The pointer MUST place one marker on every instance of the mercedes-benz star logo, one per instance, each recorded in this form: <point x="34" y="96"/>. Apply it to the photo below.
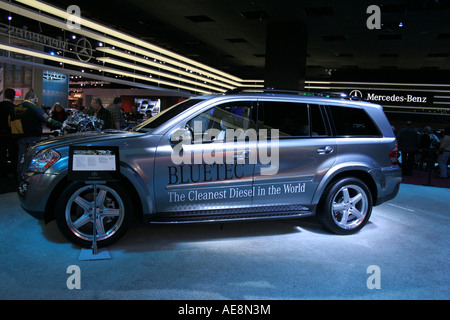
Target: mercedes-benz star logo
<point x="83" y="50"/>
<point x="356" y="93"/>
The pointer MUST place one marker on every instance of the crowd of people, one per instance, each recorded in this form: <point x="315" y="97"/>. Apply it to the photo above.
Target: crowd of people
<point x="21" y="124"/>
<point x="422" y="148"/>
<point x="118" y="117"/>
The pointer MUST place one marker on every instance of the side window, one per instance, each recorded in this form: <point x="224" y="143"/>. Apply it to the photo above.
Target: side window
<point x="352" y="122"/>
<point x="290" y="118"/>
<point x="317" y="123"/>
<point x="215" y="123"/>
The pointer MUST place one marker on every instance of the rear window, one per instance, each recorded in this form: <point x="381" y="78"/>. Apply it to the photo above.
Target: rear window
<point x="291" y="119"/>
<point x="351" y="122"/>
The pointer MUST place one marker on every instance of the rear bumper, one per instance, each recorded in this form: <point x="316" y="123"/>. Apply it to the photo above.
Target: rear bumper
<point x="390" y="184"/>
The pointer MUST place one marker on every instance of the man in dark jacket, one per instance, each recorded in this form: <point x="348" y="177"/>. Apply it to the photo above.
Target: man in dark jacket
<point x="26" y="122"/>
<point x="100" y="112"/>
<point x="117" y="119"/>
<point x="7" y="143"/>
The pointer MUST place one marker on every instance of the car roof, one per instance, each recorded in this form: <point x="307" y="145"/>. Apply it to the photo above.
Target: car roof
<point x="311" y="97"/>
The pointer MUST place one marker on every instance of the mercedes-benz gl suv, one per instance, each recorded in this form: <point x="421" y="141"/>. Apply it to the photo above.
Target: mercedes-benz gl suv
<point x="227" y="157"/>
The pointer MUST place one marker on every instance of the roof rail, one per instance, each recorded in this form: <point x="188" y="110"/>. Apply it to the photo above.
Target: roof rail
<point x="297" y="92"/>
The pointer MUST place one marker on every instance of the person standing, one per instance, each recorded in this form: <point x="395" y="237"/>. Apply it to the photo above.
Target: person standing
<point x="134" y="116"/>
<point x="117" y="119"/>
<point x="58" y="113"/>
<point x="408" y="143"/>
<point x="26" y="123"/>
<point x="8" y="147"/>
<point x="98" y="111"/>
<point x="444" y="154"/>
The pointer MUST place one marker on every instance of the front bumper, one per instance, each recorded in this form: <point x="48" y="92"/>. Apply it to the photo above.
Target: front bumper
<point x="35" y="190"/>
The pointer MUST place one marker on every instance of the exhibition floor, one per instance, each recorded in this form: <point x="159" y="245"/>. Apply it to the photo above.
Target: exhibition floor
<point x="406" y="238"/>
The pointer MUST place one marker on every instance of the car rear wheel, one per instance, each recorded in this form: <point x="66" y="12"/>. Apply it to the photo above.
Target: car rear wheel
<point x="346" y="206"/>
<point x="75" y="213"/>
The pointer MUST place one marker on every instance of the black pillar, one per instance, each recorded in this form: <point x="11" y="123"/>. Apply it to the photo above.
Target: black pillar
<point x="286" y="55"/>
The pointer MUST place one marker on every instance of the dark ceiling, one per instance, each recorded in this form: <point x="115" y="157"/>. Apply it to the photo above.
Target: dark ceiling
<point x="230" y="35"/>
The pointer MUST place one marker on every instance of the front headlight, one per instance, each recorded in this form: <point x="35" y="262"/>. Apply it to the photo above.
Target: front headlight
<point x="44" y="160"/>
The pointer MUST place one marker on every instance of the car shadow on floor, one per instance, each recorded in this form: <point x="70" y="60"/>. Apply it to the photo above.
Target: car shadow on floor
<point x="156" y="237"/>
<point x="142" y="237"/>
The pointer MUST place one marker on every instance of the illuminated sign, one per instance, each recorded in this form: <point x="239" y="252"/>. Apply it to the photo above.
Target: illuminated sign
<point x="394" y="98"/>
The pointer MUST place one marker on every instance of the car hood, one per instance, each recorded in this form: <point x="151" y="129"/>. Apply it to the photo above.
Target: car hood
<point x="61" y="144"/>
<point x="84" y="138"/>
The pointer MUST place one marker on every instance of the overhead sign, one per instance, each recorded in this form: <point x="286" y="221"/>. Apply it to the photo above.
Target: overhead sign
<point x="395" y="98"/>
<point x="24" y="34"/>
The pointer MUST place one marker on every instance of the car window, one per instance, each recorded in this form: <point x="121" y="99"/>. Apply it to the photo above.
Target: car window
<point x="317" y="121"/>
<point x="215" y="123"/>
<point x="352" y="122"/>
<point x="290" y="118"/>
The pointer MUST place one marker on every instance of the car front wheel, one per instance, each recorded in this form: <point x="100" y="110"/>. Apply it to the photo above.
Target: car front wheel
<point x="346" y="206"/>
<point x="75" y="214"/>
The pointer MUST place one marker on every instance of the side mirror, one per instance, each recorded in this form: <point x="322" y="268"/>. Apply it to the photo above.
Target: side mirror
<point x="182" y="134"/>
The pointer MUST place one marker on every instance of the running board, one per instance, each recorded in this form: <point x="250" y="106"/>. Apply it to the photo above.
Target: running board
<point x="225" y="215"/>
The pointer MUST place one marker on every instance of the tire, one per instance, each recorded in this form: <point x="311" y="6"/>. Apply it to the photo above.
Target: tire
<point x="74" y="213"/>
<point x="346" y="206"/>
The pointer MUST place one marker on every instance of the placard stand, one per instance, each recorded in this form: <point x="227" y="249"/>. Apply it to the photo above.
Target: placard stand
<point x="94" y="165"/>
<point x="95" y="253"/>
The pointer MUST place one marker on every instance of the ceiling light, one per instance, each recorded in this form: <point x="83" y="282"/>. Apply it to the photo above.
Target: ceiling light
<point x="155" y="64"/>
<point x="123" y="36"/>
<point x="155" y="72"/>
<point x="232" y="80"/>
<point x="161" y="54"/>
<point x="68" y="61"/>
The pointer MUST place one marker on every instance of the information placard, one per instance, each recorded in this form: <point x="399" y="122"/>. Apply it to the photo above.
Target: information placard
<point x="94" y="163"/>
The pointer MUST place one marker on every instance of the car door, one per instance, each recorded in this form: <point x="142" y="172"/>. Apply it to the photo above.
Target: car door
<point x="306" y="151"/>
<point x="213" y="170"/>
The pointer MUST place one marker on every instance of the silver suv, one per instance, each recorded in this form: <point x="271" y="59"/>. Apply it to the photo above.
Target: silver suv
<point x="235" y="156"/>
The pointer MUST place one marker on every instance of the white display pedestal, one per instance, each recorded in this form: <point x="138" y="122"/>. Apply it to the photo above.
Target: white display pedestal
<point x="88" y="255"/>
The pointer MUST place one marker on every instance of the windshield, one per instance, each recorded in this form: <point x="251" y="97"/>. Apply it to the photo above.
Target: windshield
<point x="165" y="115"/>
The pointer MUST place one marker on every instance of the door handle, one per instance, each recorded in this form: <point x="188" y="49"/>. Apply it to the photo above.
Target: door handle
<point x="241" y="155"/>
<point x="324" y="150"/>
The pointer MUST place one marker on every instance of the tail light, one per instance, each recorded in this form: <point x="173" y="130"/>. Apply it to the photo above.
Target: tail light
<point x="394" y="154"/>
